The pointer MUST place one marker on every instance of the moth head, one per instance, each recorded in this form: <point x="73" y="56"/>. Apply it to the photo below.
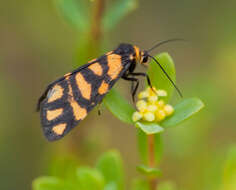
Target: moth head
<point x="144" y="57"/>
<point x="140" y="56"/>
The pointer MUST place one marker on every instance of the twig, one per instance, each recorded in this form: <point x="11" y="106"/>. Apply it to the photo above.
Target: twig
<point x="96" y="28"/>
<point x="151" y="160"/>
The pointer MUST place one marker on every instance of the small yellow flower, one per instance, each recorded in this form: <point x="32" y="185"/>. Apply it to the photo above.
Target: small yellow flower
<point x="160" y="104"/>
<point x="143" y="94"/>
<point x="141" y="105"/>
<point x="152" y="91"/>
<point x="161" y="93"/>
<point x="136" y="116"/>
<point x="168" y="109"/>
<point x="149" y="116"/>
<point x="160" y="115"/>
<point x="152" y="108"/>
<point x="153" y="98"/>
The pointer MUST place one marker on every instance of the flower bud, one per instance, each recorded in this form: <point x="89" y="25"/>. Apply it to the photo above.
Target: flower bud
<point x="161" y="93"/>
<point x="168" y="109"/>
<point x="136" y="116"/>
<point x="160" y="115"/>
<point x="160" y="104"/>
<point x="149" y="116"/>
<point x="152" y="108"/>
<point x="141" y="105"/>
<point x="152" y="98"/>
<point x="152" y="91"/>
<point x="143" y="94"/>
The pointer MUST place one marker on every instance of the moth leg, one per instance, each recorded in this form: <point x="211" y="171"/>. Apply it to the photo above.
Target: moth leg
<point x="144" y="75"/>
<point x="99" y="110"/>
<point x="147" y="78"/>
<point x="133" y="88"/>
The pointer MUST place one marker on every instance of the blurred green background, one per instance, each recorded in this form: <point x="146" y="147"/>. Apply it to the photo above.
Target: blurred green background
<point x="37" y="46"/>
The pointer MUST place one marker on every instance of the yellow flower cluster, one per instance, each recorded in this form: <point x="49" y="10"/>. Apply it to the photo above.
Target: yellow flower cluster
<point x="151" y="107"/>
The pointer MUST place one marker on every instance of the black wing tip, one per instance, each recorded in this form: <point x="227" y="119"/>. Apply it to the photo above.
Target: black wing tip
<point x="42" y="97"/>
<point x="50" y="136"/>
<point x="53" y="138"/>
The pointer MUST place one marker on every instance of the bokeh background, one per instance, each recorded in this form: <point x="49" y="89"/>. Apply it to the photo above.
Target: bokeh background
<point x="38" y="46"/>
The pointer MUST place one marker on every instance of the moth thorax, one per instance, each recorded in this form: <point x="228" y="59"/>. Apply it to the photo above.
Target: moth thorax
<point x="137" y="54"/>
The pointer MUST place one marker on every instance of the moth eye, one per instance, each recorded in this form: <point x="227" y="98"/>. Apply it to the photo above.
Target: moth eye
<point x="145" y="59"/>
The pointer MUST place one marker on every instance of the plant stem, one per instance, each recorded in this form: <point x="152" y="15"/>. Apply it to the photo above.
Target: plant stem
<point x="151" y="160"/>
<point x="96" y="27"/>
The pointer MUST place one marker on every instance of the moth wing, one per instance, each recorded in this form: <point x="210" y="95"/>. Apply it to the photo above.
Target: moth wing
<point x="69" y="100"/>
<point x="56" y="113"/>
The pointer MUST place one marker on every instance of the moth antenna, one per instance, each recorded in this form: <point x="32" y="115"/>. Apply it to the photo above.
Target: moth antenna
<point x="172" y="82"/>
<point x="164" y="42"/>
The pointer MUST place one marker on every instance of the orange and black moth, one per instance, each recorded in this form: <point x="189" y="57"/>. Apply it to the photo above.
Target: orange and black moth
<point x="69" y="99"/>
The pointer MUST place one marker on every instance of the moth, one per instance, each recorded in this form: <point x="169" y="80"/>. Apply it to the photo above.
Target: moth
<point x="68" y="100"/>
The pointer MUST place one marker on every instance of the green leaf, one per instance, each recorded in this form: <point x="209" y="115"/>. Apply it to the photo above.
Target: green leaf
<point x="119" y="106"/>
<point x="111" y="166"/>
<point x="229" y="176"/>
<point x="149" y="127"/>
<point x="183" y="111"/>
<point x="48" y="183"/>
<point x="158" y="78"/>
<point x="117" y="11"/>
<point x="75" y="12"/>
<point x="146" y="170"/>
<point x="143" y="146"/>
<point x="63" y="167"/>
<point x="89" y="178"/>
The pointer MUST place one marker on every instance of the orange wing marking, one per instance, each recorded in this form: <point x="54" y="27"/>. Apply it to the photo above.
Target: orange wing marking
<point x="114" y="65"/>
<point x="103" y="88"/>
<point x="92" y="60"/>
<point x="67" y="74"/>
<point x="55" y="93"/>
<point x="109" y="53"/>
<point x="59" y="129"/>
<point x="52" y="114"/>
<point x="83" y="85"/>
<point x="96" y="68"/>
<point x="79" y="112"/>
